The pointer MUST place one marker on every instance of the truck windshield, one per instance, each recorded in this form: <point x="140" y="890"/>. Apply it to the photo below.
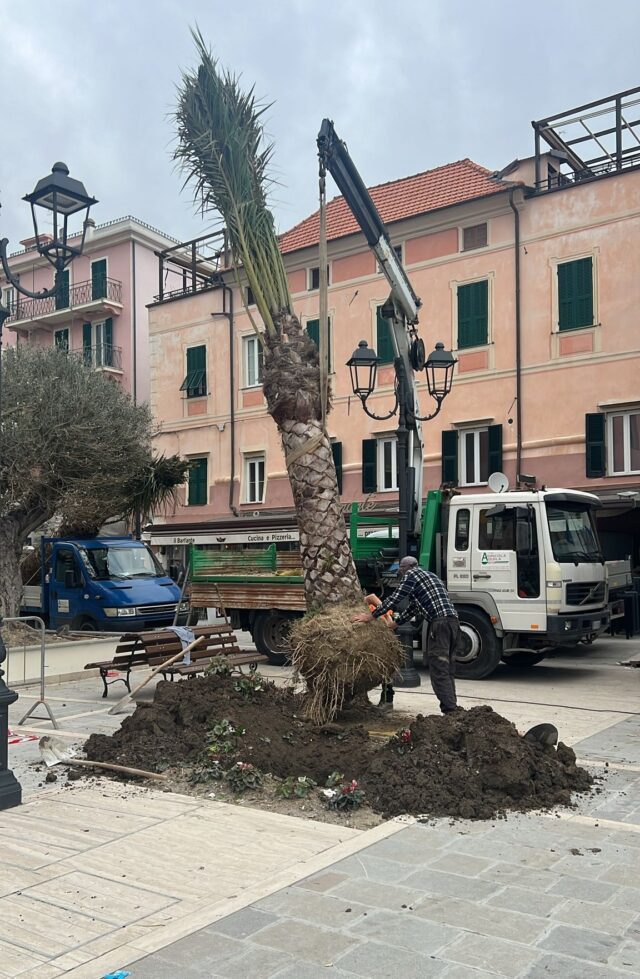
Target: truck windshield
<point x="120" y="561"/>
<point x="572" y="532"/>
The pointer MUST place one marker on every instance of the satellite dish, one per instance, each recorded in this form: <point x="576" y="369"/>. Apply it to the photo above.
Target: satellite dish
<point x="498" y="483"/>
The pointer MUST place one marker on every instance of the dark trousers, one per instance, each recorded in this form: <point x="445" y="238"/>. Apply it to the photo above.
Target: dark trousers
<point x="441" y="653"/>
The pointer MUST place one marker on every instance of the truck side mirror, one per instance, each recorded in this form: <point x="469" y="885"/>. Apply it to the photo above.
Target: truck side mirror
<point x="174" y="572"/>
<point x="70" y="580"/>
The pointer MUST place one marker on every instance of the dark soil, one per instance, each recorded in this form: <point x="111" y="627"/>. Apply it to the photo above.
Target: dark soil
<point x="472" y="764"/>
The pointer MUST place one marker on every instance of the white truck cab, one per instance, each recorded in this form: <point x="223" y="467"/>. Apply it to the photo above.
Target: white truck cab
<point x="526" y="573"/>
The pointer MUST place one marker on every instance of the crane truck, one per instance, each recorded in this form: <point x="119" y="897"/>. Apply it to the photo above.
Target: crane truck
<point x="523" y="568"/>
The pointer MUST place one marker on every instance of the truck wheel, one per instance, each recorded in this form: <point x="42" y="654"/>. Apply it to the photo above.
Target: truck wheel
<point x="523" y="659"/>
<point x="270" y="634"/>
<point x="479" y="649"/>
<point x="81" y="624"/>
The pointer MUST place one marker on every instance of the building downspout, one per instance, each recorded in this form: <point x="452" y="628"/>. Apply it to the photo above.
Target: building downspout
<point x="516" y="228"/>
<point x="134" y="359"/>
<point x="229" y="314"/>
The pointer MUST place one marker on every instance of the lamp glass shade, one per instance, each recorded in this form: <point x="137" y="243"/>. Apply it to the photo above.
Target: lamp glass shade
<point x="363" y="366"/>
<point x="439" y="370"/>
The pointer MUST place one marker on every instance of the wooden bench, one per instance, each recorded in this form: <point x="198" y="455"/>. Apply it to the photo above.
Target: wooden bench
<point x="153" y="648"/>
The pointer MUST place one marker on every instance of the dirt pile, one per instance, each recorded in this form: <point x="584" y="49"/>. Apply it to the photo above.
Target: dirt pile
<point x="471" y="764"/>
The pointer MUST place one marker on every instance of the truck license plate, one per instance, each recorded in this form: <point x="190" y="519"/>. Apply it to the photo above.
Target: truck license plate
<point x="596" y="624"/>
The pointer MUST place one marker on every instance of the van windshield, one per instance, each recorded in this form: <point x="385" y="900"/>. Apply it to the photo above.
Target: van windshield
<point x="572" y="532"/>
<point x="120" y="561"/>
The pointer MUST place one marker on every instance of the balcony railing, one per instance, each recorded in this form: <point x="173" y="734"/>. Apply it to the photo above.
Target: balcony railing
<point x="100" y="356"/>
<point x="79" y="294"/>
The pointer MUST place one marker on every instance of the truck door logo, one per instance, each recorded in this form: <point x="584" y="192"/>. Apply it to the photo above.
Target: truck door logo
<point x="485" y="560"/>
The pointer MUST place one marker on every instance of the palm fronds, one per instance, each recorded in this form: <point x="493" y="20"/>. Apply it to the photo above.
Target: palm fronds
<point x="223" y="153"/>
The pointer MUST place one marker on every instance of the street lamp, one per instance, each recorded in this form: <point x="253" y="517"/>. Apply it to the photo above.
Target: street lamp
<point x="439" y="365"/>
<point x="63" y="196"/>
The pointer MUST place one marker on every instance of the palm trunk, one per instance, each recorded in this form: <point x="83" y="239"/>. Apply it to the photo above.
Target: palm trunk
<point x="292" y="390"/>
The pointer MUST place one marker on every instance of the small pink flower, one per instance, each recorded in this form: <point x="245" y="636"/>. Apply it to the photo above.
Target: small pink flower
<point x="406" y="736"/>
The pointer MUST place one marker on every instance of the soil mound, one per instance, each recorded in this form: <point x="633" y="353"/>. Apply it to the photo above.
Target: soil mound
<point x="471" y="764"/>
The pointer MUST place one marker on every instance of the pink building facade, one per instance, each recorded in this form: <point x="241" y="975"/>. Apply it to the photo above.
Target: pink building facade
<point x="529" y="276"/>
<point x="100" y="310"/>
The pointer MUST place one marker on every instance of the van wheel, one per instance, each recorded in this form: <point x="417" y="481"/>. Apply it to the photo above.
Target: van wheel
<point x="80" y="624"/>
<point x="271" y="634"/>
<point x="479" y="649"/>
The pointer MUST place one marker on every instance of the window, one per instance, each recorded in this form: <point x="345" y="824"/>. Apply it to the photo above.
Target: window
<point x="253" y="361"/>
<point x="61" y="339"/>
<point x="9" y="298"/>
<point x="496" y="532"/>
<point x="471" y="455"/>
<point x="384" y="340"/>
<point x="313" y="277"/>
<point x="575" y="294"/>
<point x="195" y="382"/>
<point x="250" y="299"/>
<point x="336" y="452"/>
<point x="462" y="530"/>
<point x="62" y="290"/>
<point x="254" y="478"/>
<point x="387" y="464"/>
<point x="379" y="464"/>
<point x="623" y="438"/>
<point x="475" y="236"/>
<point x="473" y="314"/>
<point x="198" y="488"/>
<point x="313" y="329"/>
<point x="65" y="563"/>
<point x="474" y="457"/>
<point x="99" y="279"/>
<point x="97" y="344"/>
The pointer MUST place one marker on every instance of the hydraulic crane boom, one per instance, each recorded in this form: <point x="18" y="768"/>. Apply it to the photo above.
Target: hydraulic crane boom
<point x="334" y="157"/>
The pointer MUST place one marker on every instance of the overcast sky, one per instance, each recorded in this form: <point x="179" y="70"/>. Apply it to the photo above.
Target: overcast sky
<point x="410" y="84"/>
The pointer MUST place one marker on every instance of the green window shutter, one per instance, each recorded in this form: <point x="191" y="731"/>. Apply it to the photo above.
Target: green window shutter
<point x="384" y="340"/>
<point x="195" y="383"/>
<point x="198" y="482"/>
<point x="575" y="294"/>
<point x="313" y="329"/>
<point x="595" y="456"/>
<point x="62" y="290"/>
<point x="86" y="342"/>
<point x="107" y="333"/>
<point x="369" y="465"/>
<point x="450" y="457"/>
<point x="473" y="314"/>
<point x="336" y="452"/>
<point x="99" y="279"/>
<point x="495" y="448"/>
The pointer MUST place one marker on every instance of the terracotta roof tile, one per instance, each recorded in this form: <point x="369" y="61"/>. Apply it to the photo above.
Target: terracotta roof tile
<point x="398" y="199"/>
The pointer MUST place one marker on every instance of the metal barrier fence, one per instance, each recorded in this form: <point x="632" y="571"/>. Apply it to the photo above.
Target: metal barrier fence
<point x="42" y="698"/>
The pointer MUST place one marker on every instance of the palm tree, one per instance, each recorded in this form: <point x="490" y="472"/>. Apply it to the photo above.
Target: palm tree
<point x="223" y="152"/>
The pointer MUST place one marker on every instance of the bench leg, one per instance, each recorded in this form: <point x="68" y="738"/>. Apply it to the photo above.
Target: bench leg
<point x="103" y="676"/>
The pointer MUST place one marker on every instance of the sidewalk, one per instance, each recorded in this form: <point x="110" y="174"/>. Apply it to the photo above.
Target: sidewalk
<point x="554" y="895"/>
<point x="101" y="876"/>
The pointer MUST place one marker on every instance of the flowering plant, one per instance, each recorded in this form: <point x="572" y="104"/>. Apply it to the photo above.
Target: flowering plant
<point x="403" y="741"/>
<point x="244" y="776"/>
<point x="347" y="797"/>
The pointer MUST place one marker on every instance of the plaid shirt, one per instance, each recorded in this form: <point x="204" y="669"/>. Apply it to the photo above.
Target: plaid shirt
<point x="425" y="595"/>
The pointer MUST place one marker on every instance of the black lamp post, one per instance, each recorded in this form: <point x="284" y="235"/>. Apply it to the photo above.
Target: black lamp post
<point x="439" y="365"/>
<point x="63" y="196"/>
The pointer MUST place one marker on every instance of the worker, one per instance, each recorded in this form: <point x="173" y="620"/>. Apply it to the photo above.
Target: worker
<point x="426" y="596"/>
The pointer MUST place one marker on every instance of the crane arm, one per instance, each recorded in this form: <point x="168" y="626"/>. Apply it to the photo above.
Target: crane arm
<point x="334" y="156"/>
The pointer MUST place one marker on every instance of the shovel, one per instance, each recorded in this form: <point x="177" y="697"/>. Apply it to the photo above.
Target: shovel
<point x="544" y="734"/>
<point x="119" y="707"/>
<point x="56" y="753"/>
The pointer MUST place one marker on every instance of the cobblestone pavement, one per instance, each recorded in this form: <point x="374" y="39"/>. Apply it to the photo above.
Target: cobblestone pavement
<point x="529" y="896"/>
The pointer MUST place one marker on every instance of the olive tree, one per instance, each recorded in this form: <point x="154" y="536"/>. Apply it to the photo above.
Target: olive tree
<point x="73" y="445"/>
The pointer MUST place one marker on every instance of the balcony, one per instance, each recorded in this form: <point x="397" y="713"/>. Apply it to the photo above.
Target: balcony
<point x="103" y="356"/>
<point x="86" y="298"/>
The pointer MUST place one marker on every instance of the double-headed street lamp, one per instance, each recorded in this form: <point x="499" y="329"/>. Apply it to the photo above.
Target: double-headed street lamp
<point x="62" y="196"/>
<point x="438" y="366"/>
